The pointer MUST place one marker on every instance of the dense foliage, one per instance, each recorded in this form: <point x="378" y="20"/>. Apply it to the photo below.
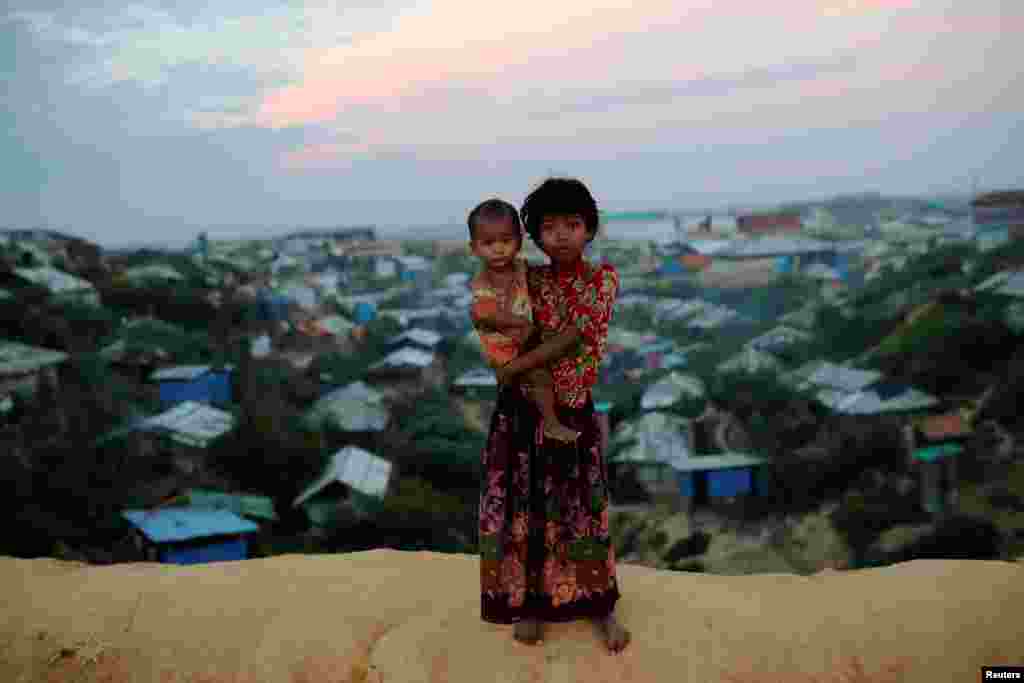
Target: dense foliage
<point x="340" y="369"/>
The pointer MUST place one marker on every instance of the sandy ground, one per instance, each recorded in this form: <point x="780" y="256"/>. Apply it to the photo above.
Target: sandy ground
<point x="386" y="615"/>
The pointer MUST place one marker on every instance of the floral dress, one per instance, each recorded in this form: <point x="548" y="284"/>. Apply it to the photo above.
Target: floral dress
<point x="545" y="548"/>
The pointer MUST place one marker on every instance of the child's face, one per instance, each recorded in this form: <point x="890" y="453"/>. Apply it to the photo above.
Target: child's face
<point x="496" y="242"/>
<point x="563" y="238"/>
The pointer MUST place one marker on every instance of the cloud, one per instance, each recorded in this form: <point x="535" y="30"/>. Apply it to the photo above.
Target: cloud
<point x="237" y="111"/>
<point x="709" y="86"/>
<point x="144" y="45"/>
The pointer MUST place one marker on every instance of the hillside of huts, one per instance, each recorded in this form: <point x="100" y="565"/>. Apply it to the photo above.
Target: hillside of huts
<point x="779" y="401"/>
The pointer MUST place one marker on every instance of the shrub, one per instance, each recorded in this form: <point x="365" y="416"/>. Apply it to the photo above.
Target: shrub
<point x="961" y="537"/>
<point x="861" y="518"/>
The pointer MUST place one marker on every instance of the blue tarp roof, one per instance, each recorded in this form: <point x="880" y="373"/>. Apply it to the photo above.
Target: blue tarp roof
<point x="185" y="523"/>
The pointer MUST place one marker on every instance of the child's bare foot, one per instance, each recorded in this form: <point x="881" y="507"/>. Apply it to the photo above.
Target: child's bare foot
<point x="556" y="430"/>
<point x="616" y="635"/>
<point x="528" y="631"/>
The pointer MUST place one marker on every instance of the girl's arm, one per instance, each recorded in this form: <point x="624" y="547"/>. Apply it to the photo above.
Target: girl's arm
<point x="543" y="354"/>
<point x="589" y="322"/>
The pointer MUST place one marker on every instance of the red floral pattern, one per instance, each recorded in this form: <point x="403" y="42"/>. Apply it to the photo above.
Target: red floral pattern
<point x="545" y="547"/>
<point x="585" y="297"/>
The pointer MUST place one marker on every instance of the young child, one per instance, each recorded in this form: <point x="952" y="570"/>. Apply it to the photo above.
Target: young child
<point x="501" y="309"/>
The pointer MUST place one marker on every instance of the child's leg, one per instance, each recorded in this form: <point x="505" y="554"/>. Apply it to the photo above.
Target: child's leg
<point x="542" y="391"/>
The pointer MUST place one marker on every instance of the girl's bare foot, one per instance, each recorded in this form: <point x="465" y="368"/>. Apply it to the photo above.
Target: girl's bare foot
<point x="560" y="432"/>
<point x="528" y="631"/>
<point x="616" y="635"/>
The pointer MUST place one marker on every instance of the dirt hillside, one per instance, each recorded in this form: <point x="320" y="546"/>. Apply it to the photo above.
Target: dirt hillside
<point x="387" y="615"/>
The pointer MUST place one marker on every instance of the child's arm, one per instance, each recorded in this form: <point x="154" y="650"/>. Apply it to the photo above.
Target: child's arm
<point x="487" y="314"/>
<point x="543" y="354"/>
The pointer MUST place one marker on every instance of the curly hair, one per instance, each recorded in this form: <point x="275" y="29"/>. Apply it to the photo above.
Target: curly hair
<point x="559" y="197"/>
<point x="492" y="210"/>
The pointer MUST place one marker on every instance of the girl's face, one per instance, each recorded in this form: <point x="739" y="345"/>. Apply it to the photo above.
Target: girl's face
<point x="563" y="238"/>
<point x="496" y="242"/>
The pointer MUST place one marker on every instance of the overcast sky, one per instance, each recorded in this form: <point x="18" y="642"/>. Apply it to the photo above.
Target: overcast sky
<point x="129" y="122"/>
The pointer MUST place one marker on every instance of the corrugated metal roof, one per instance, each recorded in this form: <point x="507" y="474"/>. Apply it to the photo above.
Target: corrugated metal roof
<point x="663" y="305"/>
<point x="750" y="360"/>
<point x="721" y="461"/>
<point x="1014" y="316"/>
<point x="413" y="262"/>
<point x="660" y="438"/>
<point x="852" y="246"/>
<point x="713" y="316"/>
<point x="695" y="348"/>
<point x="871" y="403"/>
<point x="336" y="324"/>
<point x="407" y="357"/>
<point x="635" y="300"/>
<point x="54" y="280"/>
<point x="659" y="346"/>
<point x="477" y="377"/>
<point x="820" y="271"/>
<point x="406" y="316"/>
<point x="674" y="360"/>
<point x="355" y="407"/>
<point x="302" y="295"/>
<point x="1007" y="283"/>
<point x="877" y="248"/>
<point x="709" y="247"/>
<point x="191" y="423"/>
<point x="356" y="391"/>
<point x="351" y="300"/>
<point x="778" y="337"/>
<point x="628" y="339"/>
<point x="830" y="375"/>
<point x="418" y="336"/>
<point x="670" y="389"/>
<point x="804" y="317"/>
<point x="774" y="246"/>
<point x="153" y="271"/>
<point x="354" y="467"/>
<point x="180" y="373"/>
<point x="185" y="523"/>
<point x="681" y="309"/>
<point x="457" y="280"/>
<point x="17" y="358"/>
<point x="238" y="503"/>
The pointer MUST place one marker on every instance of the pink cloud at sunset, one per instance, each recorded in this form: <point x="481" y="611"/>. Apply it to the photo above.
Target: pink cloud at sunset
<point x="281" y="111"/>
<point x="580" y="46"/>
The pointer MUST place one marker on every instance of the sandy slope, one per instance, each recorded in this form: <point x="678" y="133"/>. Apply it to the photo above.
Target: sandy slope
<point x="398" y="616"/>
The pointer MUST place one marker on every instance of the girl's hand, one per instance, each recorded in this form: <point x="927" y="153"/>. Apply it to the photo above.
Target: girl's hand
<point x="502" y="374"/>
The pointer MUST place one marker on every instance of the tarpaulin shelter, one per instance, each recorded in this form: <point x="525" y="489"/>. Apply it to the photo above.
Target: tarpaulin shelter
<point x="191" y="535"/>
<point x="354" y="479"/>
<point x="356" y="407"/>
<point x="671" y="389"/>
<point x="200" y="383"/>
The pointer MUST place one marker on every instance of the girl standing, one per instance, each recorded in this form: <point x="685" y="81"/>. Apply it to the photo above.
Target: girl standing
<point x="545" y="549"/>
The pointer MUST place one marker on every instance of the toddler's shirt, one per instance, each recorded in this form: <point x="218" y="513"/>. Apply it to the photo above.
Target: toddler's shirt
<point x="500" y="348"/>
